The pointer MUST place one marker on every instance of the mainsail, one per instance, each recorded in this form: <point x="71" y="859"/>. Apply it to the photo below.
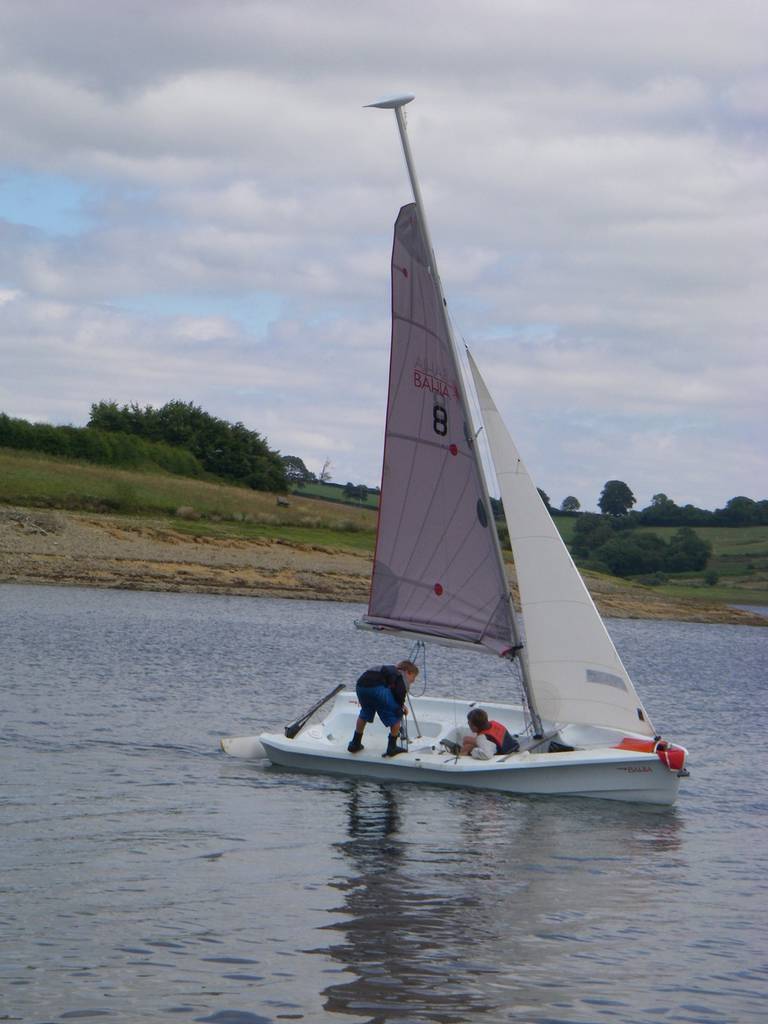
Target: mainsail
<point x="437" y="568"/>
<point x="575" y="673"/>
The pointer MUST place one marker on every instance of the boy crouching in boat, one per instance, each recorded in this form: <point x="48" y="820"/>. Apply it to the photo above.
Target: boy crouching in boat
<point x="486" y="739"/>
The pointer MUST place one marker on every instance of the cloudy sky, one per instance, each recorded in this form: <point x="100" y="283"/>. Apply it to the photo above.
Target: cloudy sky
<point x="195" y="204"/>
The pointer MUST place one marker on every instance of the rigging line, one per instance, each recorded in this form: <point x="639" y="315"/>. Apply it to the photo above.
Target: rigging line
<point x="420" y="646"/>
<point x="527" y="716"/>
<point x="455" y="709"/>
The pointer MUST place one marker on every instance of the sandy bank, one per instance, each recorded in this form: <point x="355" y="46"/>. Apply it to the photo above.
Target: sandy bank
<point x="75" y="549"/>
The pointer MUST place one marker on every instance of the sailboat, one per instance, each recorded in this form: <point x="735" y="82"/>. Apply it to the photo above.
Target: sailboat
<point x="439" y="576"/>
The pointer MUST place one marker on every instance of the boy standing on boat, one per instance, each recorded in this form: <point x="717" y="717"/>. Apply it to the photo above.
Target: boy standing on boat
<point x="383" y="691"/>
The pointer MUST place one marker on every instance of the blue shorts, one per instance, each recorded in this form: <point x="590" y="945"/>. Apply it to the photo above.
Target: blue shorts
<point x="378" y="700"/>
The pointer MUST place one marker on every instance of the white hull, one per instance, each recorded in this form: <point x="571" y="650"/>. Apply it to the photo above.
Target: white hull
<point x="595" y="770"/>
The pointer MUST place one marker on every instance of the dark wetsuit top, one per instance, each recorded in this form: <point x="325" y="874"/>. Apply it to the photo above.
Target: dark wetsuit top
<point x="385" y="675"/>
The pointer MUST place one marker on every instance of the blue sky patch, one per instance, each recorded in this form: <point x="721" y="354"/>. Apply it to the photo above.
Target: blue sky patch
<point x="51" y="203"/>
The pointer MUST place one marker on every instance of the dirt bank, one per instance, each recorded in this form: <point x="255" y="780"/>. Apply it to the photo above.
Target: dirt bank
<point x="75" y="549"/>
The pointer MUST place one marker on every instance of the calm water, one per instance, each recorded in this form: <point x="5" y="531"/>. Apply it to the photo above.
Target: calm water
<point x="145" y="876"/>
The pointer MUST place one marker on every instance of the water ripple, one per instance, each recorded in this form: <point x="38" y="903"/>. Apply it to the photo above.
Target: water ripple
<point x="146" y="875"/>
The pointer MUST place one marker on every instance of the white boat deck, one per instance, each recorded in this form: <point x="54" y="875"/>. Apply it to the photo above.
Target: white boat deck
<point x="596" y="768"/>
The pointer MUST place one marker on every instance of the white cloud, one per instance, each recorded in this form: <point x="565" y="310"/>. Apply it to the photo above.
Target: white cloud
<point x="594" y="175"/>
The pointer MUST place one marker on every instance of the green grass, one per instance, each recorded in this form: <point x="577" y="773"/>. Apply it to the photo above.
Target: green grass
<point x="726" y="541"/>
<point x="715" y="595"/>
<point x="330" y="492"/>
<point x="739" y="557"/>
<point x="565" y="525"/>
<point x="214" y="509"/>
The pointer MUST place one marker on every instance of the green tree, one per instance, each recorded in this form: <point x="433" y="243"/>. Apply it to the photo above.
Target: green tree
<point x="662" y="511"/>
<point x="227" y="450"/>
<point x="108" y="416"/>
<point x="95" y="445"/>
<point x="631" y="554"/>
<point x="739" y="511"/>
<point x="687" y="552"/>
<point x="590" y="532"/>
<point x="692" y="516"/>
<point x="356" y="492"/>
<point x="616" y="498"/>
<point x="570" y="504"/>
<point x="296" y="471"/>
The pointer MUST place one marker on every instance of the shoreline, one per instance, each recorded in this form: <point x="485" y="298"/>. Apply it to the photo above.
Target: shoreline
<point x="61" y="548"/>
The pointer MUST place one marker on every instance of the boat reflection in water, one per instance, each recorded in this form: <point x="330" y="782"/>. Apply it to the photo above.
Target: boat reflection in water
<point x="493" y="914"/>
<point x="402" y="932"/>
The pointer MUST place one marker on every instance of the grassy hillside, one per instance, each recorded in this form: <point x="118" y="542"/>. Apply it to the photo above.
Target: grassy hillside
<point x="739" y="558"/>
<point x="197" y="507"/>
<point x="740" y="554"/>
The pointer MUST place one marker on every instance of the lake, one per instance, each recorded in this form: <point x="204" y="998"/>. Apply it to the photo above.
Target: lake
<point x="146" y="876"/>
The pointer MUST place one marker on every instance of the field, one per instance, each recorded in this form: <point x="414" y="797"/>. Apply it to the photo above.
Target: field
<point x="739" y="558"/>
<point x="196" y="507"/>
<point x="199" y="508"/>
<point x="334" y="492"/>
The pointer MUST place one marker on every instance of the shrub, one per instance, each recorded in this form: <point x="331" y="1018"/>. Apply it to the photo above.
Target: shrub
<point x="98" y="446"/>
<point x="227" y="450"/>
<point x="633" y="554"/>
<point x="687" y="551"/>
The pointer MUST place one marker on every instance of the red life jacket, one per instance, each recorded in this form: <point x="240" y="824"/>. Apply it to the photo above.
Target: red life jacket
<point x="498" y="734"/>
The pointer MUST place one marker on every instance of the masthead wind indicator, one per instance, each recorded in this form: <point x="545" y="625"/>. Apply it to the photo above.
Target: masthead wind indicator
<point x="393" y="102"/>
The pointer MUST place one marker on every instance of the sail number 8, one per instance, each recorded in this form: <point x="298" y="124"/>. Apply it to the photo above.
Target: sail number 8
<point x="440" y="420"/>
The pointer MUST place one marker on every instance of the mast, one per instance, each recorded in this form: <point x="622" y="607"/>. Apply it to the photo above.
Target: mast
<point x="397" y="103"/>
